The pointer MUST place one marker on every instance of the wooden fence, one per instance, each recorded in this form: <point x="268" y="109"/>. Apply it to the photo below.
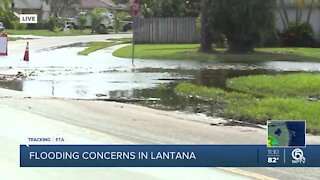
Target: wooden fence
<point x="165" y="30"/>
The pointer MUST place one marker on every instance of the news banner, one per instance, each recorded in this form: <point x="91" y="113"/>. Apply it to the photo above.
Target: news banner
<point x="285" y="147"/>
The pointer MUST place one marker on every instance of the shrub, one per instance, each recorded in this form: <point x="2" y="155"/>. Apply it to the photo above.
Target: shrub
<point x="82" y="20"/>
<point x="269" y="39"/>
<point x="6" y="16"/>
<point x="119" y="16"/>
<point x="43" y="24"/>
<point x="55" y="22"/>
<point x="298" y="35"/>
<point x="97" y="18"/>
<point x="18" y="26"/>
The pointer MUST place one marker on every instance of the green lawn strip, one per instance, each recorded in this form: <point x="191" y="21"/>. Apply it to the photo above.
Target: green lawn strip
<point x="164" y="52"/>
<point x="190" y="52"/>
<point x="18" y="38"/>
<point x="297" y="85"/>
<point x="95" y="46"/>
<point x="47" y="32"/>
<point x="302" y="52"/>
<point x="245" y="107"/>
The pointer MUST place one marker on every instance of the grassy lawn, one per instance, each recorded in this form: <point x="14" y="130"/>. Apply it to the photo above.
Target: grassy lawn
<point x="47" y="32"/>
<point x="304" y="52"/>
<point x="166" y="51"/>
<point x="262" y="98"/>
<point x="95" y="46"/>
<point x="189" y="52"/>
<point x="295" y="85"/>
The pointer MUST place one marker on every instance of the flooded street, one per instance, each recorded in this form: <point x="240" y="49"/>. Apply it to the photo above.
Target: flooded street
<point x="60" y="72"/>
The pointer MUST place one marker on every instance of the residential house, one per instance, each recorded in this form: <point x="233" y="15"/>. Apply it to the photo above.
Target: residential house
<point x="42" y="7"/>
<point x="291" y="10"/>
<point x="39" y="7"/>
<point x="89" y="5"/>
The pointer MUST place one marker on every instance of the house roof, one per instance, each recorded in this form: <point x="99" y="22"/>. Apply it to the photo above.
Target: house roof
<point x="27" y="4"/>
<point x="91" y="4"/>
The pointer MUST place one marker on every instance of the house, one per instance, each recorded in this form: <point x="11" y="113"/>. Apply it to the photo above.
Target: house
<point x="42" y="7"/>
<point x="89" y="5"/>
<point x="303" y="11"/>
<point x="39" y="7"/>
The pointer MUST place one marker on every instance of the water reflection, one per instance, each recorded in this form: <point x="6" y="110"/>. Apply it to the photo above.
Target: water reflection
<point x="218" y="78"/>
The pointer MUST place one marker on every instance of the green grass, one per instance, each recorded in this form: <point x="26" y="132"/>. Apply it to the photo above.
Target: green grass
<point x="302" y="52"/>
<point x="190" y="52"/>
<point x="283" y="105"/>
<point x="95" y="46"/>
<point x="259" y="111"/>
<point x="47" y="32"/>
<point x="163" y="51"/>
<point x="17" y="38"/>
<point x="291" y="85"/>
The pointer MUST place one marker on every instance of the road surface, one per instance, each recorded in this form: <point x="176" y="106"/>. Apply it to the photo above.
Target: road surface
<point x="39" y="42"/>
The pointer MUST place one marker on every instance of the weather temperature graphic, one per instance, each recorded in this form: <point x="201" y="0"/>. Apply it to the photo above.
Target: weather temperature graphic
<point x="286" y="133"/>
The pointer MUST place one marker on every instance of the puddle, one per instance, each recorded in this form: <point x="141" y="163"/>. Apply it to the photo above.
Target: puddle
<point x="292" y="66"/>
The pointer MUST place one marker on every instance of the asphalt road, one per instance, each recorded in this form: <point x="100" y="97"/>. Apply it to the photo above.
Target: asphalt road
<point x="17" y="125"/>
<point x="39" y="42"/>
<point x="125" y="123"/>
<point x="108" y="122"/>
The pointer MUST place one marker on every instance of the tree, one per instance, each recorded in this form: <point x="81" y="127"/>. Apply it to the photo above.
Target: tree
<point x="206" y="32"/>
<point x="82" y="20"/>
<point x="146" y="11"/>
<point x="6" y="13"/>
<point x="119" y="16"/>
<point x="166" y="8"/>
<point x="242" y="22"/>
<point x="193" y="8"/>
<point x="3" y="7"/>
<point x="97" y="17"/>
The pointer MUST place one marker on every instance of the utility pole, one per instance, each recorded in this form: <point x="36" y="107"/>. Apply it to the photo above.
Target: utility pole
<point x="135" y="19"/>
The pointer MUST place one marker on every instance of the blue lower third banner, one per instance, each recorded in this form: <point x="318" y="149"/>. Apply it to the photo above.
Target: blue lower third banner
<point x="168" y="156"/>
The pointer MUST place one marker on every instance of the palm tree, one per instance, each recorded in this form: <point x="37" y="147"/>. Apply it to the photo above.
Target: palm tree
<point x="6" y="13"/>
<point x="82" y="20"/>
<point x="119" y="16"/>
<point x="97" y="18"/>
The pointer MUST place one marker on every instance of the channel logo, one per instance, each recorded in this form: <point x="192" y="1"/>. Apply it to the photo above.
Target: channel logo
<point x="297" y="156"/>
<point x="28" y="18"/>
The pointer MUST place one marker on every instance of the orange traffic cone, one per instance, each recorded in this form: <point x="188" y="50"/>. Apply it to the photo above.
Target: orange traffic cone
<point x="26" y="53"/>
